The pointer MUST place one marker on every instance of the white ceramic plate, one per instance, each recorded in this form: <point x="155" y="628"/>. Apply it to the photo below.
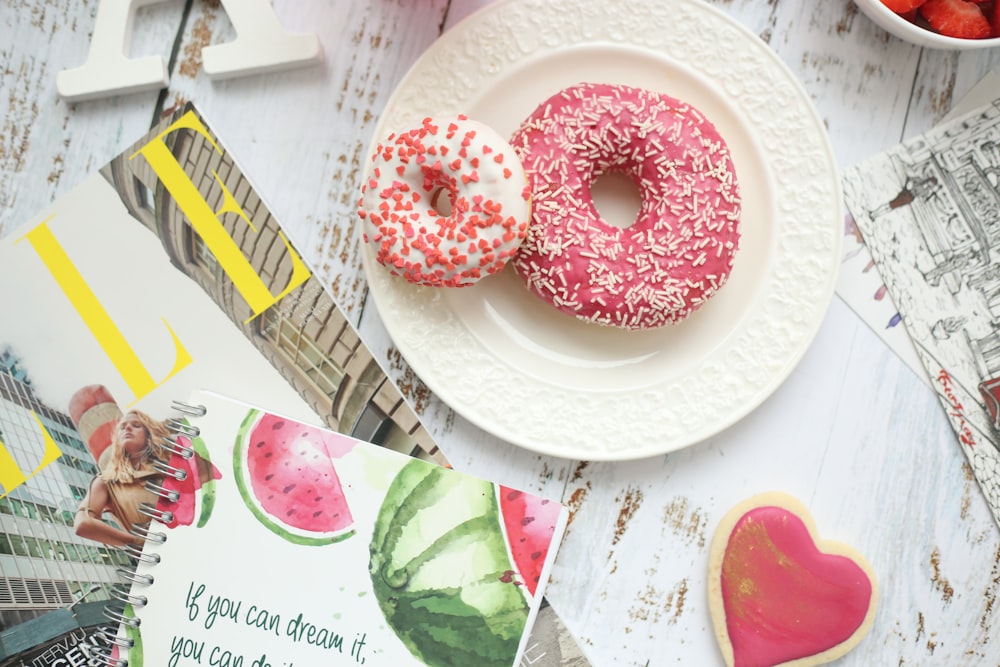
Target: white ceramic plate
<point x="526" y="373"/>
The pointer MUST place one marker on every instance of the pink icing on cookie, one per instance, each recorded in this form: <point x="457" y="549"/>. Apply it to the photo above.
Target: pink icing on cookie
<point x="784" y="598"/>
<point x="679" y="250"/>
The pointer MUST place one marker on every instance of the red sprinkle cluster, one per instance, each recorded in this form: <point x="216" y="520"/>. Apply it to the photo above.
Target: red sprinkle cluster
<point x="411" y="174"/>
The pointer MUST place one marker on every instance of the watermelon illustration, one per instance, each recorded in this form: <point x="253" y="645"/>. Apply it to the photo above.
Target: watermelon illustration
<point x="196" y="490"/>
<point x="530" y="522"/>
<point x="285" y="473"/>
<point x="207" y="485"/>
<point x="441" y="569"/>
<point x="135" y="653"/>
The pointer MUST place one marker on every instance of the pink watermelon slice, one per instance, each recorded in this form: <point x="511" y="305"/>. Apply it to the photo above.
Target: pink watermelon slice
<point x="530" y="522"/>
<point x="197" y="490"/>
<point x="285" y="473"/>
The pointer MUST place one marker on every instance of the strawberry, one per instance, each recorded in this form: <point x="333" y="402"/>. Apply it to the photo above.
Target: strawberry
<point x="994" y="15"/>
<point x="956" y="18"/>
<point x="902" y="6"/>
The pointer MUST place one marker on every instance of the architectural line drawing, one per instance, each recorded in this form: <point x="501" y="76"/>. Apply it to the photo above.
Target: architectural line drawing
<point x="929" y="211"/>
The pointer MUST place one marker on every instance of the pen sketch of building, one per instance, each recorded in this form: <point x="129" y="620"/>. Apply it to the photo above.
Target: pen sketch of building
<point x="929" y="210"/>
<point x="305" y="336"/>
<point x="953" y="187"/>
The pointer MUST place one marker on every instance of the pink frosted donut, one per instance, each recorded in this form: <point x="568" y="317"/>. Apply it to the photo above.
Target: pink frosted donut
<point x="445" y="204"/>
<point x="677" y="253"/>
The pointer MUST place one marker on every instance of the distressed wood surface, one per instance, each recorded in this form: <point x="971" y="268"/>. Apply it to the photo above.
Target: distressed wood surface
<point x="853" y="433"/>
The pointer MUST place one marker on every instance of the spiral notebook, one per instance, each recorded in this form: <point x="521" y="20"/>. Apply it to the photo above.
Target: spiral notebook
<point x="161" y="273"/>
<point x="279" y="543"/>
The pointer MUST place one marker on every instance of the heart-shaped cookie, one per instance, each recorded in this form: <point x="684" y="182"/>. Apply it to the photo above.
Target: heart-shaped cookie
<point x="779" y="595"/>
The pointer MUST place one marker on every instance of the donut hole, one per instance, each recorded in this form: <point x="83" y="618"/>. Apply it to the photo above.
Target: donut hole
<point x="616" y="198"/>
<point x="441" y="201"/>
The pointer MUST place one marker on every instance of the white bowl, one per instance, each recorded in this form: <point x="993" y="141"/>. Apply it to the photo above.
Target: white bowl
<point x="916" y="34"/>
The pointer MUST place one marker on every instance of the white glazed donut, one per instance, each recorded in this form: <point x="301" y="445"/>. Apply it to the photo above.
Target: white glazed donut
<point x="677" y="253"/>
<point x="473" y="176"/>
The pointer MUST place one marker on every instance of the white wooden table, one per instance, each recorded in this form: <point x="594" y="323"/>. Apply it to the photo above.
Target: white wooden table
<point x="853" y="433"/>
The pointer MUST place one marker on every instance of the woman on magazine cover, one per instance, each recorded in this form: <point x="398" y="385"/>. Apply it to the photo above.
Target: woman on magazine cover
<point x="120" y="488"/>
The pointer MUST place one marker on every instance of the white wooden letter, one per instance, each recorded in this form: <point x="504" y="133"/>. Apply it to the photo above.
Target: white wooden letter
<point x="108" y="71"/>
<point x="261" y="45"/>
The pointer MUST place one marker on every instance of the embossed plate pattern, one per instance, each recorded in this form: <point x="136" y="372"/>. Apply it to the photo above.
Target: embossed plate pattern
<point x="521" y="370"/>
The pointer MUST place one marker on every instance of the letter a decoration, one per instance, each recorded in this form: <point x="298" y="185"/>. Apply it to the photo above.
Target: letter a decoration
<point x="261" y="45"/>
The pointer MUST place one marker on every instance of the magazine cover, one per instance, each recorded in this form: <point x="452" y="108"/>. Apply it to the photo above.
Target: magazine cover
<point x="160" y="274"/>
<point x="295" y="545"/>
<point x="929" y="211"/>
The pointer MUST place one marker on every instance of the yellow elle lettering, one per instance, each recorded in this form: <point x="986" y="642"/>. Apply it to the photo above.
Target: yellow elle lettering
<point x="206" y="221"/>
<point x="11" y="475"/>
<point x="93" y="314"/>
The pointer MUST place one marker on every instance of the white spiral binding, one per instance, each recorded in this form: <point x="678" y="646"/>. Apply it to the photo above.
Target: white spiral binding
<point x="125" y="595"/>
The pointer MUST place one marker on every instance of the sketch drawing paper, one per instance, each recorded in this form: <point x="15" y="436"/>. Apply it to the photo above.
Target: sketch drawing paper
<point x="929" y="211"/>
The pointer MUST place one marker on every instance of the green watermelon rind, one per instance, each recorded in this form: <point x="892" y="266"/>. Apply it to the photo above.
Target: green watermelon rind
<point x="135" y="651"/>
<point x="435" y="624"/>
<point x="207" y="486"/>
<point x="245" y="486"/>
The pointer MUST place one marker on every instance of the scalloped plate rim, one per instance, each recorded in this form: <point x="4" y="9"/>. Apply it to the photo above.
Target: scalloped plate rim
<point x="382" y="285"/>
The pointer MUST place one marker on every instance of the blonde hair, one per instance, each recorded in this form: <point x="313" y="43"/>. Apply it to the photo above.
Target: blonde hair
<point x="118" y="467"/>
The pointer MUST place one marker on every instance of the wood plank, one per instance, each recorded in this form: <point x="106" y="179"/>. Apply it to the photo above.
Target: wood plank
<point x="46" y="145"/>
